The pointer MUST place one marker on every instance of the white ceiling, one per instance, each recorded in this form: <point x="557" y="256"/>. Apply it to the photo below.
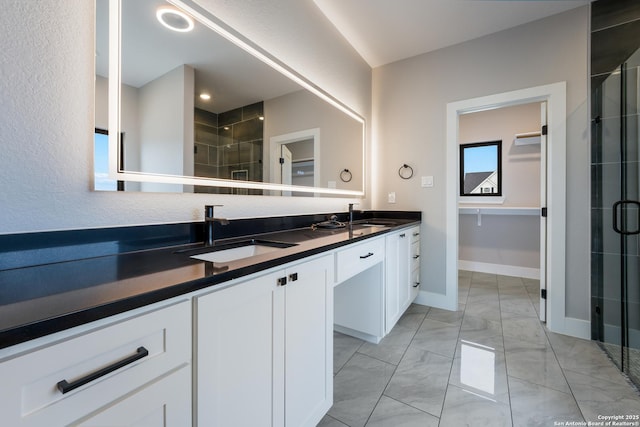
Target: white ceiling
<point x="385" y="31"/>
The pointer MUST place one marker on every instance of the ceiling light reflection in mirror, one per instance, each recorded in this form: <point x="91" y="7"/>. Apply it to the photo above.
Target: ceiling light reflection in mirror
<point x="174" y="19"/>
<point x="198" y="113"/>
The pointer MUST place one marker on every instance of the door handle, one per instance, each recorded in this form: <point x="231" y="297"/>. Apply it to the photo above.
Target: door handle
<point x="616" y="208"/>
<point x="366" y="256"/>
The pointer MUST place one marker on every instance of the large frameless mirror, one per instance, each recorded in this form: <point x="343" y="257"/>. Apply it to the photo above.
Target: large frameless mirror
<point x="190" y="106"/>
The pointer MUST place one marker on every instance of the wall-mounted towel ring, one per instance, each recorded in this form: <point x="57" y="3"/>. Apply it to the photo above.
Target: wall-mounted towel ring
<point x="346" y="175"/>
<point x="405" y="171"/>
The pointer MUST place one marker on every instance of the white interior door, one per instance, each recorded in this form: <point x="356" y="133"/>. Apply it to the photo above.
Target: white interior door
<point x="285" y="165"/>
<point x="543" y="217"/>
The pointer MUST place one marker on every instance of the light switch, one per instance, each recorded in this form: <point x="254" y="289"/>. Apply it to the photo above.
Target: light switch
<point x="391" y="197"/>
<point x="427" y="181"/>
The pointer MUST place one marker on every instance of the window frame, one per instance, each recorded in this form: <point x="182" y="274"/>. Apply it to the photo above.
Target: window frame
<point x="498" y="145"/>
<point x="119" y="183"/>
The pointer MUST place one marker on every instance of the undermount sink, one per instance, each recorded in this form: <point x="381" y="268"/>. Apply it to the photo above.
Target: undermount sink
<point x="374" y="223"/>
<point x="240" y="250"/>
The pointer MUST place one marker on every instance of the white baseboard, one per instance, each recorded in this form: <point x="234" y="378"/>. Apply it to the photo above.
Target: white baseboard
<point x="357" y="334"/>
<point x="576" y="328"/>
<point x="503" y="270"/>
<point x="433" y="299"/>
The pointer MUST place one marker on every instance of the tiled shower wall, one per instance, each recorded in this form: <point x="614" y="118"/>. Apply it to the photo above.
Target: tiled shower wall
<point x="229" y="146"/>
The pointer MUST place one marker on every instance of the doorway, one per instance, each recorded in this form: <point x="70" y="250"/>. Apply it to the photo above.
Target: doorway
<point x="555" y="97"/>
<point x="502" y="189"/>
<point x="295" y="159"/>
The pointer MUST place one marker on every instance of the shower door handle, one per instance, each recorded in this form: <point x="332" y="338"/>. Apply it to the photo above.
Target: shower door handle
<point x="616" y="207"/>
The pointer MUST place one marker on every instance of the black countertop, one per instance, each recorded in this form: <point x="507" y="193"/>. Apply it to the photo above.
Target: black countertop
<point x="37" y="300"/>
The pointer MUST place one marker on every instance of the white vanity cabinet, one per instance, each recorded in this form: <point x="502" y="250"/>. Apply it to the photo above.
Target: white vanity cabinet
<point x="264" y="349"/>
<point x="131" y="371"/>
<point x="401" y="273"/>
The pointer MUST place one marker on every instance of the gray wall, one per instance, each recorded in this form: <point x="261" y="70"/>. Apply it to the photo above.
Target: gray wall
<point x="409" y="112"/>
<point x="47" y="120"/>
<point x="510" y="240"/>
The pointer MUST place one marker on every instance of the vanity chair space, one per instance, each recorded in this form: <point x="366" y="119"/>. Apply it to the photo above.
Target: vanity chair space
<point x="376" y="281"/>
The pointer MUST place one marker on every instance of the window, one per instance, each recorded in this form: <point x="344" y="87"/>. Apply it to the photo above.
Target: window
<point x="481" y="169"/>
<point x="101" y="181"/>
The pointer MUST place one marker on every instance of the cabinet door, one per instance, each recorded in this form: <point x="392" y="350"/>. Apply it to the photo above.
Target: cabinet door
<point x="308" y="342"/>
<point x="239" y="355"/>
<point x="164" y="403"/>
<point x="397" y="291"/>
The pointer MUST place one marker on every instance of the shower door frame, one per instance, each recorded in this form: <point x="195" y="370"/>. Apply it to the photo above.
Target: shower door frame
<point x="620" y="219"/>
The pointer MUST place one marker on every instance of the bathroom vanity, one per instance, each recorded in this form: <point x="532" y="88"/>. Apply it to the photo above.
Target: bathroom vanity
<point x="167" y="339"/>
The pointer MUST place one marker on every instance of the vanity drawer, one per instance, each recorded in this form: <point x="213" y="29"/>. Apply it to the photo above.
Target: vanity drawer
<point x="415" y="234"/>
<point x="415" y="255"/>
<point x="415" y="284"/>
<point x="61" y="382"/>
<point x="357" y="258"/>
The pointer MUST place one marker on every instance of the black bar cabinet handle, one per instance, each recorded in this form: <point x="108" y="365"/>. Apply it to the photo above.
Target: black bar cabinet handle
<point x="616" y="205"/>
<point x="66" y="387"/>
<point x="366" y="256"/>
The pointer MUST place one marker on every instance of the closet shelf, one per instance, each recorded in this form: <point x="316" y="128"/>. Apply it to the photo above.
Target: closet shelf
<point x="484" y="210"/>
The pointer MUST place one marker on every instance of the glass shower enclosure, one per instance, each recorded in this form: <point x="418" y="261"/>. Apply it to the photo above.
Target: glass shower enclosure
<point x="615" y="184"/>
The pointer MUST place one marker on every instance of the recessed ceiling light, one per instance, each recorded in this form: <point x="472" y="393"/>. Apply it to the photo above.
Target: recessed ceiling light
<point x="174" y="19"/>
<point x="205" y="96"/>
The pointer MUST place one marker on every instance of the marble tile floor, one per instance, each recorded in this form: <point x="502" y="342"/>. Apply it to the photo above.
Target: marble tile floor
<point x="491" y="363"/>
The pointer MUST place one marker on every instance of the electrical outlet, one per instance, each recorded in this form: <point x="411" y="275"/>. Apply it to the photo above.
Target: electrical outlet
<point x="427" y="181"/>
<point x="391" y="198"/>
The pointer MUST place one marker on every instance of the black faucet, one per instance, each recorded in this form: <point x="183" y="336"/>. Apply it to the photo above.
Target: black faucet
<point x="209" y="219"/>
<point x="351" y="213"/>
